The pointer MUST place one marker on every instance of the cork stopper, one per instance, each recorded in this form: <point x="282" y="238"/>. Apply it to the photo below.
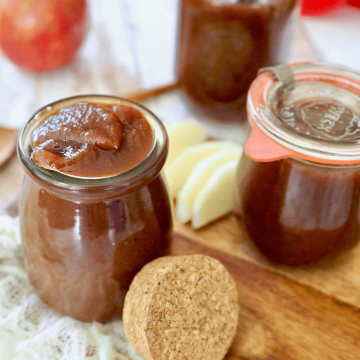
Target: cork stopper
<point x="182" y="307"/>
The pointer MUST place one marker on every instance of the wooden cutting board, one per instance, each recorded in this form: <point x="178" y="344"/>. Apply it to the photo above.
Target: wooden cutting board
<point x="281" y="318"/>
<point x="8" y="139"/>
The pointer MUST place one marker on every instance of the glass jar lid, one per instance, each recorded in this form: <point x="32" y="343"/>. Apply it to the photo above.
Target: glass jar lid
<point x="309" y="111"/>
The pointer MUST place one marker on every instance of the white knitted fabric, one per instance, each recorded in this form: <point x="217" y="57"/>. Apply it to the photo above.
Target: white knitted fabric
<point x="29" y="330"/>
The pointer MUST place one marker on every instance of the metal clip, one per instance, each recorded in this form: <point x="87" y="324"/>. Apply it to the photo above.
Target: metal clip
<point x="284" y="74"/>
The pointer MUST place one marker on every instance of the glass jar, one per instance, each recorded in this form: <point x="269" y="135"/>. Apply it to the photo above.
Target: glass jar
<point x="86" y="238"/>
<point x="299" y="181"/>
<point x="223" y="43"/>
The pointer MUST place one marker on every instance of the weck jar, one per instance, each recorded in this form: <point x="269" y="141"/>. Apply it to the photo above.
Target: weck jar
<point x="86" y="237"/>
<point x="299" y="179"/>
<point x="222" y="45"/>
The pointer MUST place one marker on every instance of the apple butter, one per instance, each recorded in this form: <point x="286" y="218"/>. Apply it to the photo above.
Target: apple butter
<point x="91" y="225"/>
<point x="222" y="46"/>
<point x="91" y="140"/>
<point x="299" y="182"/>
<point x="297" y="212"/>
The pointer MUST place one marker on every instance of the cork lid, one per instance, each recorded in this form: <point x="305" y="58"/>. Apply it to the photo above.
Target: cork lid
<point x="182" y="307"/>
<point x="309" y="111"/>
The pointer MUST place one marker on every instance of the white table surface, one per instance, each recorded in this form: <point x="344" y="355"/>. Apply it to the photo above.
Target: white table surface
<point x="335" y="37"/>
<point x="131" y="45"/>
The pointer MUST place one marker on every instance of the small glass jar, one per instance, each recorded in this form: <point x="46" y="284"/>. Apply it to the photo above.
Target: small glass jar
<point x="222" y="45"/>
<point x="299" y="181"/>
<point x="86" y="238"/>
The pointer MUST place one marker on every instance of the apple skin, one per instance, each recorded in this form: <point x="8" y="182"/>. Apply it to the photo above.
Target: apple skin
<point x="42" y="35"/>
<point x="319" y="7"/>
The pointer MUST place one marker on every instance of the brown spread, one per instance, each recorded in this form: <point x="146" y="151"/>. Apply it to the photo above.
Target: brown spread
<point x="297" y="212"/>
<point x="84" y="244"/>
<point x="92" y="140"/>
<point x="222" y="48"/>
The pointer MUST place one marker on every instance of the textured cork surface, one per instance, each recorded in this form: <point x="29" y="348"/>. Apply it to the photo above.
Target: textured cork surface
<point x="182" y="307"/>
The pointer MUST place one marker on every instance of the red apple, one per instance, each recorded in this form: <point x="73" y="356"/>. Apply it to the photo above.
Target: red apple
<point x="42" y="35"/>
<point x="319" y="7"/>
<point x="354" y="3"/>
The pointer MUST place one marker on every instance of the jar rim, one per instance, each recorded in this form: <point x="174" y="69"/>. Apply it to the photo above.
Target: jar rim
<point x="307" y="141"/>
<point x="147" y="168"/>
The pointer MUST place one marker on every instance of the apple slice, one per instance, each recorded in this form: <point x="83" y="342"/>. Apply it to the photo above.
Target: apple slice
<point x="199" y="177"/>
<point x="181" y="136"/>
<point x="216" y="198"/>
<point x="181" y="168"/>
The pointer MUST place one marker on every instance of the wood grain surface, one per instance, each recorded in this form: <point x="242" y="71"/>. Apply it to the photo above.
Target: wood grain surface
<point x="338" y="277"/>
<point x="8" y="139"/>
<point x="281" y="318"/>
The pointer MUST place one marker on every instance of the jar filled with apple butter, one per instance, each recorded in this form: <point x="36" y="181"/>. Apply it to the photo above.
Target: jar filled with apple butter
<point x="94" y="206"/>
<point x="222" y="45"/>
<point x="299" y="179"/>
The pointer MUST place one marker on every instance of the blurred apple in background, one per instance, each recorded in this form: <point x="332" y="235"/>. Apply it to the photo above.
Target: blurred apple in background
<point x="42" y="35"/>
<point x="354" y="3"/>
<point x="322" y="7"/>
<point x="319" y="7"/>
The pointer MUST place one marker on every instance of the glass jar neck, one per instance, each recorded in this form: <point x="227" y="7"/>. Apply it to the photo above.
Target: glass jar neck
<point x="88" y="188"/>
<point x="322" y="165"/>
<point x="317" y="118"/>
